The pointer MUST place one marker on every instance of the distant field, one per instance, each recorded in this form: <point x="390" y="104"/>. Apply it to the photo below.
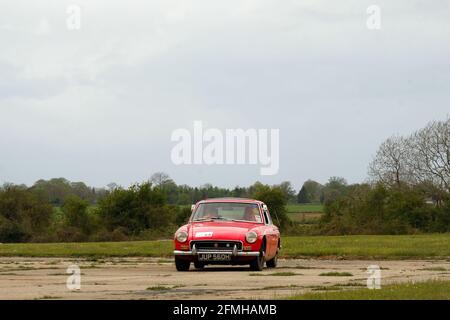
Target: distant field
<point x="305" y="217"/>
<point x="307" y="207"/>
<point x="429" y="290"/>
<point x="305" y="213"/>
<point x="348" y="247"/>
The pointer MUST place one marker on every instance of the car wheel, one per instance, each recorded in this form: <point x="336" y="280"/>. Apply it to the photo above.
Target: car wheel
<point x="258" y="263"/>
<point x="198" y="265"/>
<point x="182" y="265"/>
<point x="272" y="263"/>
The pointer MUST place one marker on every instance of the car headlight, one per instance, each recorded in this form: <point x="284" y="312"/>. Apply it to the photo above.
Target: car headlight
<point x="251" y="237"/>
<point x="182" y="236"/>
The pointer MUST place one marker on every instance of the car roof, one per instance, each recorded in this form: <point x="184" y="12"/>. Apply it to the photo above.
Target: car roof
<point x="230" y="199"/>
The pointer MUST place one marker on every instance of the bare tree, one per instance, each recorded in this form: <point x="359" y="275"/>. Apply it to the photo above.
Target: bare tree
<point x="422" y="158"/>
<point x="390" y="165"/>
<point x="112" y="186"/>
<point x="159" y="178"/>
<point x="430" y="154"/>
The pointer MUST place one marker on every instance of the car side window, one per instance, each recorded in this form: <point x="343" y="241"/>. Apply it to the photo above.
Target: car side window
<point x="266" y="218"/>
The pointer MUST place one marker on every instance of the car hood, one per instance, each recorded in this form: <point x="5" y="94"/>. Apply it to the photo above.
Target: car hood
<point x="220" y="230"/>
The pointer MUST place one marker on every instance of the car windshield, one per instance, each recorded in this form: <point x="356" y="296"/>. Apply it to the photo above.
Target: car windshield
<point x="248" y="212"/>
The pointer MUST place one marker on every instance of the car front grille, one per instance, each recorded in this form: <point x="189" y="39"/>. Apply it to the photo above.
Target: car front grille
<point x="216" y="245"/>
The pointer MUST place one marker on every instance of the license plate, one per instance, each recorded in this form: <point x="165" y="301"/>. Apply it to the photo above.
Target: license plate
<point x="214" y="257"/>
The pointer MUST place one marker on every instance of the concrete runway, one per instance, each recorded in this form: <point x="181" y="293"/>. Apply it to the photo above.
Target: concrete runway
<point x="153" y="278"/>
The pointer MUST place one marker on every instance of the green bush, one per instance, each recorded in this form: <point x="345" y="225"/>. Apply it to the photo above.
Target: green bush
<point x="23" y="215"/>
<point x="380" y="209"/>
<point x="71" y="234"/>
<point x="135" y="209"/>
<point x="76" y="215"/>
<point x="276" y="201"/>
<point x="183" y="215"/>
<point x="11" y="231"/>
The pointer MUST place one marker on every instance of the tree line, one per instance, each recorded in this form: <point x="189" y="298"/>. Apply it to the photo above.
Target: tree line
<point x="407" y="192"/>
<point x="45" y="212"/>
<point x="408" y="189"/>
<point x="56" y="191"/>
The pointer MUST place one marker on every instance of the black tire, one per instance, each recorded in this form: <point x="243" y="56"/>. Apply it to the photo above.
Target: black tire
<point x="182" y="265"/>
<point x="258" y="263"/>
<point x="199" y="265"/>
<point x="272" y="263"/>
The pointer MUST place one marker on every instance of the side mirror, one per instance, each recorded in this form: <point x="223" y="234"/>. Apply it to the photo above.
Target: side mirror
<point x="192" y="207"/>
<point x="265" y="207"/>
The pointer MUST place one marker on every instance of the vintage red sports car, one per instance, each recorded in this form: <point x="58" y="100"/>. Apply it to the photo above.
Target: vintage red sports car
<point x="227" y="231"/>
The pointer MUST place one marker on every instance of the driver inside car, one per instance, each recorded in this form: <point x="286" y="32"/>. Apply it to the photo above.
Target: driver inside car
<point x="250" y="214"/>
<point x="210" y="212"/>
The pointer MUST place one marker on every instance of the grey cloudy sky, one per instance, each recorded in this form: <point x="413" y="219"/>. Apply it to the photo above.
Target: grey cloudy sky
<point x="99" y="104"/>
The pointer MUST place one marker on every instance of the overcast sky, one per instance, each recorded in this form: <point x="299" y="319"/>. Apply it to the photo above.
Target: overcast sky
<point x="99" y="104"/>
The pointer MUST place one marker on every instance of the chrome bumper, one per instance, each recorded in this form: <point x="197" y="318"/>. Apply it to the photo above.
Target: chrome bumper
<point x="238" y="254"/>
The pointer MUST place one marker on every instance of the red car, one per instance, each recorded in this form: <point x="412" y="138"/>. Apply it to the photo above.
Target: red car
<point x="227" y="231"/>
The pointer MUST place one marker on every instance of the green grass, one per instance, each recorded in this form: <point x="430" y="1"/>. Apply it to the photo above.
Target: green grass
<point x="434" y="269"/>
<point x="283" y="274"/>
<point x="158" y="288"/>
<point x="336" y="274"/>
<point x="158" y="248"/>
<point x="368" y="246"/>
<point x="276" y="274"/>
<point x="48" y="298"/>
<point x="278" y="287"/>
<point x="307" y="207"/>
<point x="429" y="290"/>
<point x="164" y="288"/>
<point x="349" y="247"/>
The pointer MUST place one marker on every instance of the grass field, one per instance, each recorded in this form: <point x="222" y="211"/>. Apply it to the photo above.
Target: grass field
<point x="305" y="217"/>
<point x="158" y="248"/>
<point x="429" y="290"/>
<point x="367" y="247"/>
<point x="307" y="207"/>
<point x="305" y="213"/>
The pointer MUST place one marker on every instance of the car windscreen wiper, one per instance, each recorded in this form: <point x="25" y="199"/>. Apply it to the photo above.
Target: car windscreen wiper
<point x="212" y="218"/>
<point x="202" y="219"/>
<point x="219" y="218"/>
<point x="237" y="220"/>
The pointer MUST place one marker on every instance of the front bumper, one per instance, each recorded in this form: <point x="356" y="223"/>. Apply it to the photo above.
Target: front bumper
<point x="233" y="253"/>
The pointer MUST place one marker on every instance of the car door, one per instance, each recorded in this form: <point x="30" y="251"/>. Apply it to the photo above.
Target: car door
<point x="272" y="235"/>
